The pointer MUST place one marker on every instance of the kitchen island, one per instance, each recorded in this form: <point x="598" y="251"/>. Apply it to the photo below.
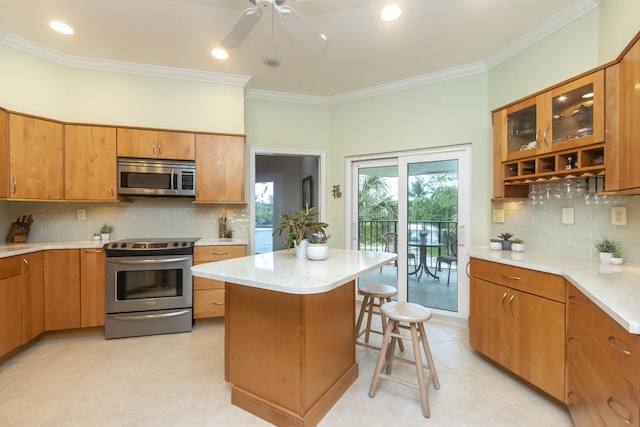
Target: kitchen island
<point x="289" y="330"/>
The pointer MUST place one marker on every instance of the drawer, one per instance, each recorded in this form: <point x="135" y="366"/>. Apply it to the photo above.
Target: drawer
<point x="9" y="267"/>
<point x="614" y="396"/>
<point x="200" y="283"/>
<point x="208" y="303"/>
<point x="217" y="253"/>
<point x="582" y="409"/>
<point x="534" y="282"/>
<point x="620" y="345"/>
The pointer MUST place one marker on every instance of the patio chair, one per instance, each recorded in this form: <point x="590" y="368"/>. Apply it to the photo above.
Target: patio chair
<point x="390" y="244"/>
<point x="448" y="259"/>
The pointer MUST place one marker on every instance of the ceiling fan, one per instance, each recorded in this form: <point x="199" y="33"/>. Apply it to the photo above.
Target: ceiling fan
<point x="289" y="19"/>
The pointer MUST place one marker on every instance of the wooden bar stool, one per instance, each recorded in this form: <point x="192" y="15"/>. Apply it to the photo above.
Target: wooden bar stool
<point x="371" y="293"/>
<point x="415" y="315"/>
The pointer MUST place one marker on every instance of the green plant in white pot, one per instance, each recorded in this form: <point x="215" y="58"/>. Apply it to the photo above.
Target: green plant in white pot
<point x="318" y="249"/>
<point x="517" y="245"/>
<point x="106" y="231"/>
<point x="606" y="247"/>
<point x="616" y="257"/>
<point x="298" y="225"/>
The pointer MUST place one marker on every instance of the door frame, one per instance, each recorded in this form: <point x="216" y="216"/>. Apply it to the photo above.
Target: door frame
<point x="464" y="215"/>
<point x="293" y="152"/>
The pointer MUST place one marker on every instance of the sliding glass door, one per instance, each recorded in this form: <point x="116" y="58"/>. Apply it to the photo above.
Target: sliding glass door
<point x="416" y="205"/>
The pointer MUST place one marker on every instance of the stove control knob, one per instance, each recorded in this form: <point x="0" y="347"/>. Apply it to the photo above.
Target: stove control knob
<point x="184" y="243"/>
<point x="114" y="245"/>
<point x="123" y="245"/>
<point x="175" y="244"/>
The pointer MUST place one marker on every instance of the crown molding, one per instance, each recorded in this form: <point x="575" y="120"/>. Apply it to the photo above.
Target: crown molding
<point x="268" y="95"/>
<point x="95" y="64"/>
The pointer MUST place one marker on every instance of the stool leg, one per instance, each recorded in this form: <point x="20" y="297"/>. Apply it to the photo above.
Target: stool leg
<point x="427" y="352"/>
<point x="400" y="344"/>
<point x="363" y="307"/>
<point x="370" y="306"/>
<point x="420" y="370"/>
<point x="381" y="359"/>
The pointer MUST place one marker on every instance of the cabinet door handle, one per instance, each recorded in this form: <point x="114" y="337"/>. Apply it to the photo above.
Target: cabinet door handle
<point x="153" y="147"/>
<point x="511" y="304"/>
<point x="538" y="135"/>
<point x="610" y="404"/>
<point x="504" y="297"/>
<point x="218" y="303"/>
<point x="506" y="276"/>
<point x="113" y="187"/>
<point x="159" y="147"/>
<point x="574" y="398"/>
<point x="573" y="342"/>
<point x="467" y="269"/>
<point x="15" y="184"/>
<point x="613" y="344"/>
<point x="544" y="136"/>
<point x="575" y="300"/>
<point x="26" y="263"/>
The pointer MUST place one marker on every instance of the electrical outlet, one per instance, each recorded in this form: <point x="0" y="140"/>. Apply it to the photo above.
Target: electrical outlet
<point x="229" y="213"/>
<point x="498" y="215"/>
<point x="567" y="215"/>
<point x="81" y="214"/>
<point x="619" y="215"/>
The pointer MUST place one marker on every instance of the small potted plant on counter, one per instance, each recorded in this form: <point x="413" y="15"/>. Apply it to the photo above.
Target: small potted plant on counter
<point x="317" y="248"/>
<point x="506" y="243"/>
<point x="616" y="257"/>
<point x="606" y="247"/>
<point x="517" y="245"/>
<point x="106" y="230"/>
<point x="495" y="244"/>
<point x="297" y="225"/>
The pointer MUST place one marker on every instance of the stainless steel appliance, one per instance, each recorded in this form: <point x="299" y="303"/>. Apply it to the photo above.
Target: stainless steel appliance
<point x="146" y="177"/>
<point x="148" y="288"/>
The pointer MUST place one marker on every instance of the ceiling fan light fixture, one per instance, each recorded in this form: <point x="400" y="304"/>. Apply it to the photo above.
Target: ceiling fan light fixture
<point x="61" y="27"/>
<point x="220" y="53"/>
<point x="390" y="12"/>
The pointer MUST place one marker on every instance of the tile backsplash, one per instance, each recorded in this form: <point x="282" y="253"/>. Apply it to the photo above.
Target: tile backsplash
<point x="144" y="217"/>
<point x="542" y="229"/>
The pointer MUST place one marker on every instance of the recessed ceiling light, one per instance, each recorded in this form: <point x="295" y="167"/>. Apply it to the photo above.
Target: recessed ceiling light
<point x="390" y="13"/>
<point x="219" y="53"/>
<point x="61" y="27"/>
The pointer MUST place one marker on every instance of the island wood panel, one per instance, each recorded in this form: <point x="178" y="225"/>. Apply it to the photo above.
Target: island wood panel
<point x="289" y="357"/>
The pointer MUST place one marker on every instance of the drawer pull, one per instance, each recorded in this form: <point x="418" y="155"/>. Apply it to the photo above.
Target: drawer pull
<point x="504" y="297"/>
<point x="220" y="253"/>
<point x="574" y="398"/>
<point x="506" y="276"/>
<point x="573" y="342"/>
<point x="575" y="300"/>
<point x="218" y="303"/>
<point x="610" y="402"/>
<point x="622" y="350"/>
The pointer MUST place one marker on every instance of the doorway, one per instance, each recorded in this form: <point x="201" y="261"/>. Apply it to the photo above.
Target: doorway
<point x="281" y="172"/>
<point x="419" y="200"/>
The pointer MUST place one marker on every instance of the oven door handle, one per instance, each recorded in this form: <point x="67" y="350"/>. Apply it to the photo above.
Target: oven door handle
<point x="146" y="261"/>
<point x="150" y="316"/>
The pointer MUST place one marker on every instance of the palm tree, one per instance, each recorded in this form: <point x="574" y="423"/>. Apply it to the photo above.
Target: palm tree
<point x="374" y="200"/>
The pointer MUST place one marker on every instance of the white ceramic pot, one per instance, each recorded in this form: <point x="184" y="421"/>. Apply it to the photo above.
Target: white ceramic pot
<point x="517" y="247"/>
<point x="495" y="246"/>
<point x="605" y="257"/>
<point x="301" y="248"/>
<point x="105" y="237"/>
<point x="616" y="261"/>
<point x="317" y="251"/>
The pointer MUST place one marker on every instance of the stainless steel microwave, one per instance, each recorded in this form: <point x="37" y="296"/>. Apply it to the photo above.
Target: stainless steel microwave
<point x="148" y="177"/>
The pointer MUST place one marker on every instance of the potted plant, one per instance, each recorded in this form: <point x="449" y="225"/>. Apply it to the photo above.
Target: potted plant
<point x="297" y="226"/>
<point x="106" y="230"/>
<point x="96" y="237"/>
<point x="517" y="245"/>
<point x="506" y="243"/>
<point x="317" y="248"/>
<point x="606" y="247"/>
<point x="495" y="244"/>
<point x="616" y="257"/>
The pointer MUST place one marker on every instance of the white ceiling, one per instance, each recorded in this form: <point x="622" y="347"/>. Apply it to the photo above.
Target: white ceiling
<point x="431" y="36"/>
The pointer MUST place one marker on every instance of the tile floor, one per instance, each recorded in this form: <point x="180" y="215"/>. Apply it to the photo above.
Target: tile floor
<point x="78" y="378"/>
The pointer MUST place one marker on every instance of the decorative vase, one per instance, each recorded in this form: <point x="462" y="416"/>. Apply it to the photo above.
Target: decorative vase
<point x="495" y="246"/>
<point x="605" y="257"/>
<point x="517" y="247"/>
<point x="105" y="237"/>
<point x="317" y="251"/>
<point x="506" y="245"/>
<point x="301" y="248"/>
<point x="616" y="261"/>
<point x="96" y="238"/>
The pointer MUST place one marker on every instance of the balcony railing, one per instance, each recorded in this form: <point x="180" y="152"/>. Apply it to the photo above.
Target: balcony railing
<point x="370" y="233"/>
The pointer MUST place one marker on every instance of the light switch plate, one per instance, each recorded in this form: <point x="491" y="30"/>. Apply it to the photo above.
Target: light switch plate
<point x="619" y="215"/>
<point x="498" y="215"/>
<point x="567" y="215"/>
<point x="336" y="214"/>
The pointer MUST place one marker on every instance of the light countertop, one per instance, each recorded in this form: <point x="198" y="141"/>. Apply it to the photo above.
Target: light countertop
<point x="282" y="271"/>
<point x="614" y="288"/>
<point x="11" y="249"/>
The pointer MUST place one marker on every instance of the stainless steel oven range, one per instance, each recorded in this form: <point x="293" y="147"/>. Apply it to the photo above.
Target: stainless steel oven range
<point x="149" y="289"/>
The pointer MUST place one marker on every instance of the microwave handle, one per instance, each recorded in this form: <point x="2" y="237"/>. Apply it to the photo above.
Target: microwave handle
<point x="174" y="180"/>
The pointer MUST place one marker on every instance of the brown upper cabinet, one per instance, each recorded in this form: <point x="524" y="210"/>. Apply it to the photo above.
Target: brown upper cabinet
<point x="90" y="163"/>
<point x="220" y="168"/>
<point x="36" y="158"/>
<point x="155" y="144"/>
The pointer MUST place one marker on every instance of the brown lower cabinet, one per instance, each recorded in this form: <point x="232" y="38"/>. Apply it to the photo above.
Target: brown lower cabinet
<point x="603" y="366"/>
<point x="32" y="295"/>
<point x="517" y="319"/>
<point x="10" y="307"/>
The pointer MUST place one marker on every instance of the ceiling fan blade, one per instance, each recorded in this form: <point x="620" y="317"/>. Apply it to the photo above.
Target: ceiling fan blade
<point x="295" y="25"/>
<point x="243" y="27"/>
